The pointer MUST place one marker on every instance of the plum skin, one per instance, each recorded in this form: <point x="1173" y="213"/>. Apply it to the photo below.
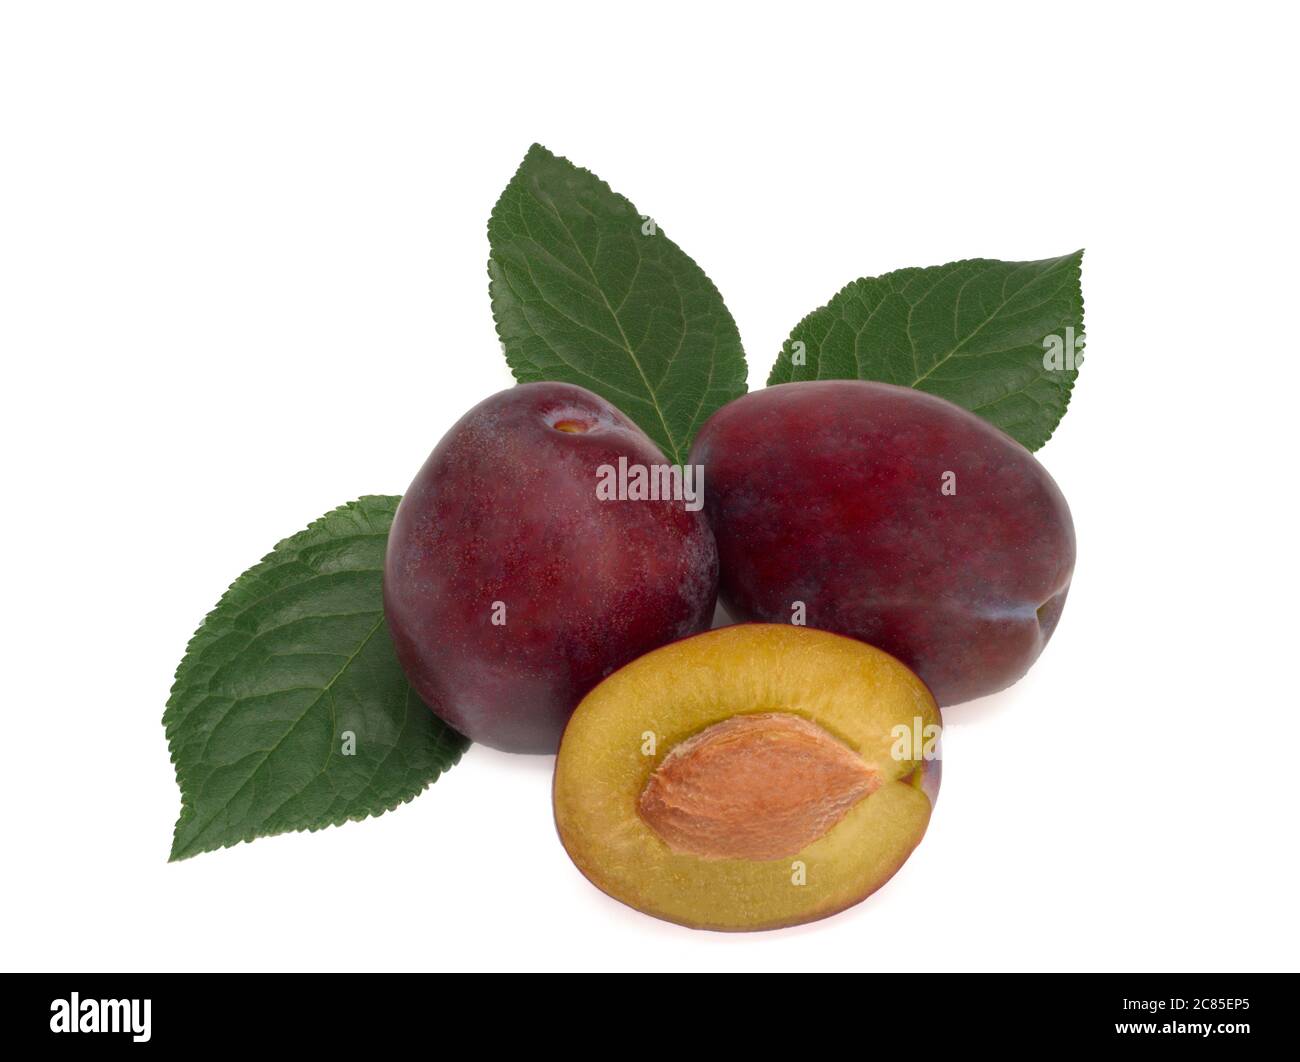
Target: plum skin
<point x="504" y="514"/>
<point x="829" y="493"/>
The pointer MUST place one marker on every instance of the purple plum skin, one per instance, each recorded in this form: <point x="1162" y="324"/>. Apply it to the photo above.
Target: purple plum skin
<point x="829" y="493"/>
<point x="505" y="511"/>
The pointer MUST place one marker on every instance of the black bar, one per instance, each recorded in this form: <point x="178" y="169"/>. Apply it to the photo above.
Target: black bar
<point x="211" y="1011"/>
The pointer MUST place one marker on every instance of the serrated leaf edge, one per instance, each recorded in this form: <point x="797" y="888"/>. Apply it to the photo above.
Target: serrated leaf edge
<point x="170" y="716"/>
<point x="785" y="354"/>
<point x="514" y="361"/>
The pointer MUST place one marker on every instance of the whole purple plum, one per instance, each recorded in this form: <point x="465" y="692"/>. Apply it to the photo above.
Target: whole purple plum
<point x="892" y="516"/>
<point x="511" y="588"/>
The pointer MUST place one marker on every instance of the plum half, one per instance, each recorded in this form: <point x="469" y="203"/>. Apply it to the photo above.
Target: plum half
<point x="511" y="587"/>
<point x="892" y="516"/>
<point x="751" y="777"/>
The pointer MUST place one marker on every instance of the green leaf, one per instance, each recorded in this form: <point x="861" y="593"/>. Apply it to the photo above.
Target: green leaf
<point x="294" y="657"/>
<point x="972" y="332"/>
<point x="588" y="291"/>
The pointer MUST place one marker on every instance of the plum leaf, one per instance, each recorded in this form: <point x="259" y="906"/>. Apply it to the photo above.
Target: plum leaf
<point x="588" y="291"/>
<point x="289" y="710"/>
<point x="1002" y="339"/>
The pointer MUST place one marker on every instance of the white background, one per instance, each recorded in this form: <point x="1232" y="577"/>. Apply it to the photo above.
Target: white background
<point x="242" y="280"/>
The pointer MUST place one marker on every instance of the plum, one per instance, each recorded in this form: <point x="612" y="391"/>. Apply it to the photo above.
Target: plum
<point x="751" y="777"/>
<point x="893" y="516"/>
<point x="511" y="588"/>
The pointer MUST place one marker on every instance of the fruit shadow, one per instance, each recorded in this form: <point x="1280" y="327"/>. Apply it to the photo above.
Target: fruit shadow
<point x="980" y="709"/>
<point x="515" y="762"/>
<point x="721" y="617"/>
